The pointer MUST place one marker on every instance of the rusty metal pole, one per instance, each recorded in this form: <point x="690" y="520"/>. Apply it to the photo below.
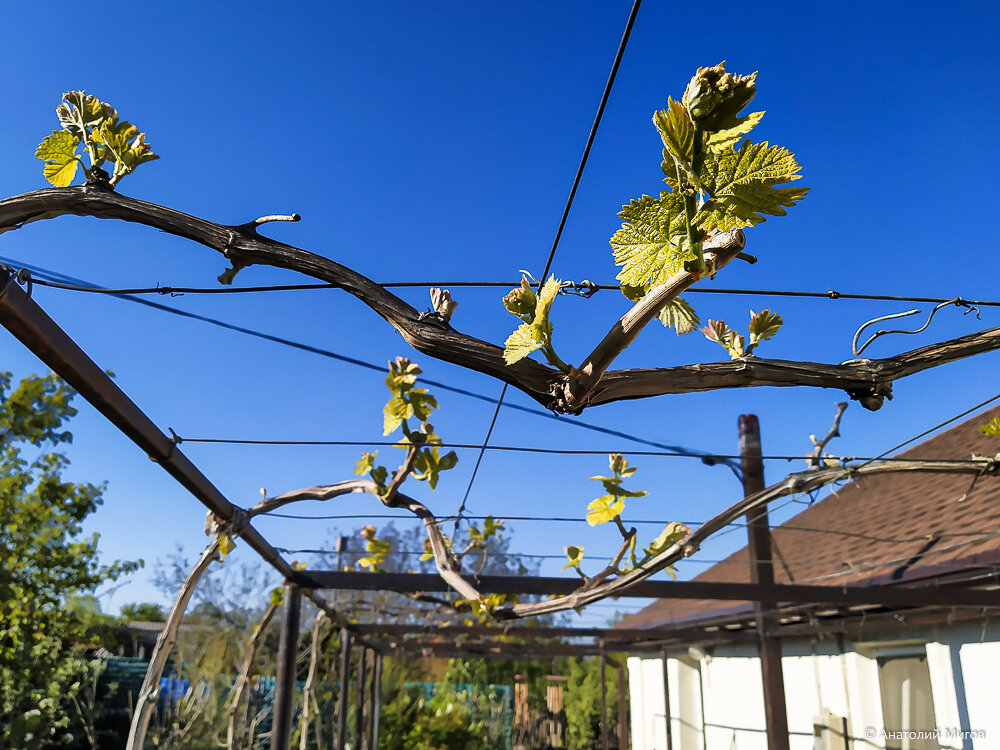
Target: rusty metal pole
<point x="762" y="571"/>
<point x="340" y="738"/>
<point x="284" y="689"/>
<point x="359" y="716"/>
<point x="666" y="702"/>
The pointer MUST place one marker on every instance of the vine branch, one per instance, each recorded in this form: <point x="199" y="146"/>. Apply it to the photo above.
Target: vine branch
<point x="868" y="381"/>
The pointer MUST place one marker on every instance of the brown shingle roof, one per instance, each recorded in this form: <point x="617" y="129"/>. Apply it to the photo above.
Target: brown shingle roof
<point x="882" y="529"/>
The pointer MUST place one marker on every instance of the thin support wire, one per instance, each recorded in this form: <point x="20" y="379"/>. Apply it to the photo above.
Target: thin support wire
<point x="562" y="221"/>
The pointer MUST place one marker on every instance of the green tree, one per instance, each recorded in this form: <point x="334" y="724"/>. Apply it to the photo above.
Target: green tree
<point x="143" y="611"/>
<point x="45" y="559"/>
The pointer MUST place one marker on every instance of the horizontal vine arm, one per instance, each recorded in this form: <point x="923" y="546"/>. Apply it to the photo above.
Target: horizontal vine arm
<point x="869" y="381"/>
<point x="792" y="485"/>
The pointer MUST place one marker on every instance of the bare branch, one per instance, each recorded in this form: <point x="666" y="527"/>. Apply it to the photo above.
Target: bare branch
<point x="237" y="719"/>
<point x="868" y="381"/>
<point x="719" y="251"/>
<point x="791" y="485"/>
<point x="150" y="690"/>
<point x="443" y="559"/>
<point x="816" y="459"/>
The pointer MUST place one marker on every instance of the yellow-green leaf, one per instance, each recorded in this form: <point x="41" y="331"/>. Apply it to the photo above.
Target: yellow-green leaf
<point x="604" y="509"/>
<point x="652" y="243"/>
<point x="672" y="533"/>
<point x="365" y="464"/>
<point x="721" y="140"/>
<point x="991" y="428"/>
<point x="58" y="150"/>
<point x="575" y="555"/>
<point x="742" y="186"/>
<point x="520" y="344"/>
<point x="680" y="316"/>
<point x="763" y="325"/>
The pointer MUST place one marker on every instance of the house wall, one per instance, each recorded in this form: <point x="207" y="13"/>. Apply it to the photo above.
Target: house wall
<point x="716" y="700"/>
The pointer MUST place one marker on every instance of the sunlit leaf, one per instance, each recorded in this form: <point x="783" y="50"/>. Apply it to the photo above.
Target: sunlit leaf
<point x="604" y="509"/>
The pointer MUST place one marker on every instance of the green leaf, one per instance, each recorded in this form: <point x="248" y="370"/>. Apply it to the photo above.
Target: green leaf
<point x="763" y="325"/>
<point x="672" y="533"/>
<point x="678" y="135"/>
<point x="491" y="527"/>
<point x="395" y="412"/>
<point x="521" y="343"/>
<point x="652" y="244"/>
<point x="721" y="140"/>
<point x="680" y="316"/>
<point x="617" y="463"/>
<point x="521" y="301"/>
<point x="604" y="509"/>
<point x="81" y="111"/>
<point x="422" y="403"/>
<point x="742" y="186"/>
<point x="226" y="545"/>
<point x="277" y="595"/>
<point x="365" y="464"/>
<point x="402" y="375"/>
<point x="714" y="98"/>
<point x="991" y="428"/>
<point x="58" y="150"/>
<point x="379" y="474"/>
<point x="575" y="555"/>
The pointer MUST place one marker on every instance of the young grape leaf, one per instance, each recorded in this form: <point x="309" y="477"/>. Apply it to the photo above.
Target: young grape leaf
<point x="365" y="464"/>
<point x="521" y="343"/>
<point x="395" y="412"/>
<point x="226" y="545"/>
<point x="991" y="428"/>
<point x="604" y="509"/>
<point x="721" y="140"/>
<point x="742" y="186"/>
<point x="672" y="533"/>
<point x="575" y="555"/>
<point x="763" y="325"/>
<point x="521" y="301"/>
<point x="680" y="316"/>
<point x="678" y="135"/>
<point x="714" y="98"/>
<point x="58" y="150"/>
<point x="536" y="334"/>
<point x="81" y="111"/>
<point x="652" y="243"/>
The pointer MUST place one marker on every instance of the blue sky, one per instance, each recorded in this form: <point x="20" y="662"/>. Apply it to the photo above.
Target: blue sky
<point x="439" y="143"/>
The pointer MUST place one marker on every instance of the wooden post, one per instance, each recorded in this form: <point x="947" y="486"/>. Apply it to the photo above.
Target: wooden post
<point x="340" y="738"/>
<point x="762" y="571"/>
<point x="284" y="689"/>
<point x="359" y="716"/>
<point x="666" y="702"/>
<point x="622" y="709"/>
<point x="605" y="740"/>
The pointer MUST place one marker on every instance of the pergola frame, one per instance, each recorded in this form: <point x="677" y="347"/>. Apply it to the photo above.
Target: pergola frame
<point x="42" y="336"/>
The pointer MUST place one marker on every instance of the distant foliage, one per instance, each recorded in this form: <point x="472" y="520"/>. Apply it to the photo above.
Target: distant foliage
<point x="46" y="560"/>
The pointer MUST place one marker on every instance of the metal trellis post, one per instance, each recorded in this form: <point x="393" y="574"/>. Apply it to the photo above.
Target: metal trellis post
<point x="284" y="689"/>
<point x="762" y="572"/>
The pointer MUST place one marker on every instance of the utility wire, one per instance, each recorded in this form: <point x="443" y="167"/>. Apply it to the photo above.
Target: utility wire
<point x="562" y="224"/>
<point x="719" y="457"/>
<point x="89" y="286"/>
<point x="936" y="427"/>
<point x="174" y="291"/>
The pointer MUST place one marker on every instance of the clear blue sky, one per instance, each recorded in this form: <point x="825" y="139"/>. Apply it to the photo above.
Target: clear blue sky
<point x="438" y="142"/>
